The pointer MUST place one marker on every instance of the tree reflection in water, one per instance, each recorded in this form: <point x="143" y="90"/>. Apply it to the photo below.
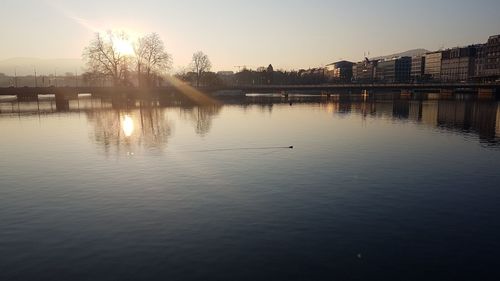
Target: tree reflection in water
<point x="201" y="117"/>
<point x="125" y="130"/>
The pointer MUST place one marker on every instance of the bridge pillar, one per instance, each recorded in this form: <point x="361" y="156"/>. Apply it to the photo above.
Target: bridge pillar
<point x="484" y="93"/>
<point x="62" y="103"/>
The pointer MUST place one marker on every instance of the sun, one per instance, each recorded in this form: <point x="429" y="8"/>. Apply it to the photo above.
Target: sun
<point x="123" y="46"/>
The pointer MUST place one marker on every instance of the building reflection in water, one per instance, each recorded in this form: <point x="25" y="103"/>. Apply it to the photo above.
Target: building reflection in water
<point x="477" y="117"/>
<point x="498" y="122"/>
<point x="429" y="113"/>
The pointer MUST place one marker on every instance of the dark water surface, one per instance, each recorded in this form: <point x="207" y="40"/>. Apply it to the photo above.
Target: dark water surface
<point x="388" y="190"/>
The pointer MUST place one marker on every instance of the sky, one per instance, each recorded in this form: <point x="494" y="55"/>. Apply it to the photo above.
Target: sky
<point x="289" y="34"/>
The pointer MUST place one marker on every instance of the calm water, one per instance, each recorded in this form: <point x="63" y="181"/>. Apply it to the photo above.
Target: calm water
<point x="388" y="190"/>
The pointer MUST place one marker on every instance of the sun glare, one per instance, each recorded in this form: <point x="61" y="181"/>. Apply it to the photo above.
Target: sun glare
<point x="123" y="46"/>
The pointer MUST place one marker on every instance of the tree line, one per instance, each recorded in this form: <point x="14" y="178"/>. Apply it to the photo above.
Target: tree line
<point x="269" y="76"/>
<point x="147" y="63"/>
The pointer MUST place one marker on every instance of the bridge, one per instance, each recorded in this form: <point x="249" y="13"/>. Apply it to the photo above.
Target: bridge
<point x="367" y="86"/>
<point x="33" y="92"/>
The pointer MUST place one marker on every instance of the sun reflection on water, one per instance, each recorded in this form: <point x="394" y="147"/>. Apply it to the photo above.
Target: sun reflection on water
<point x="128" y="126"/>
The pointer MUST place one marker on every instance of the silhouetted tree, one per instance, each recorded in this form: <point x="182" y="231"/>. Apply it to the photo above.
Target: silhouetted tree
<point x="200" y="65"/>
<point x="151" y="59"/>
<point x="270" y="74"/>
<point x="92" y="79"/>
<point x="186" y="76"/>
<point x="102" y="56"/>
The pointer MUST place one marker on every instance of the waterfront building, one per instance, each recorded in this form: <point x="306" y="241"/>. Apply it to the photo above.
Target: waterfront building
<point x="458" y="64"/>
<point x="432" y="67"/>
<point x="341" y="71"/>
<point x="364" y="72"/>
<point x="480" y="61"/>
<point x="488" y="66"/>
<point x="396" y="70"/>
<point x="386" y="71"/>
<point x="417" y="68"/>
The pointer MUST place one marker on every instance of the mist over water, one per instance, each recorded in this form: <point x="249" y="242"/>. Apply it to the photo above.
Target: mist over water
<point x="100" y="189"/>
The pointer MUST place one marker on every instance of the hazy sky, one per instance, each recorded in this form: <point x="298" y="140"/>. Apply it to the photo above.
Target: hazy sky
<point x="286" y="33"/>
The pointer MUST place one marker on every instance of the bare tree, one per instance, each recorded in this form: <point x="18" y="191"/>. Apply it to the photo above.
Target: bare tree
<point x="92" y="79"/>
<point x="102" y="56"/>
<point x="151" y="58"/>
<point x="200" y="65"/>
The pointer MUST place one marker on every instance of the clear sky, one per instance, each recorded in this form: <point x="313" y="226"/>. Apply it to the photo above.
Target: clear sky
<point x="286" y="33"/>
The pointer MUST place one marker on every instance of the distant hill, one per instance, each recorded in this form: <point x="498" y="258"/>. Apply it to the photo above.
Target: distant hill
<point x="25" y="66"/>
<point x="409" y="53"/>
